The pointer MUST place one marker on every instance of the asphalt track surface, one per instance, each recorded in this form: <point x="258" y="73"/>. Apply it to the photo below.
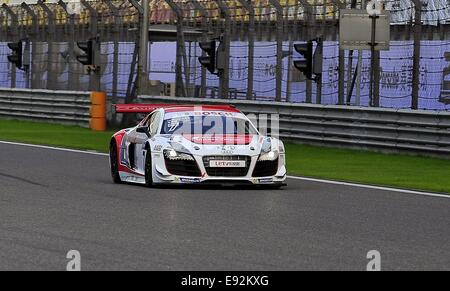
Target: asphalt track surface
<point x="55" y="201"/>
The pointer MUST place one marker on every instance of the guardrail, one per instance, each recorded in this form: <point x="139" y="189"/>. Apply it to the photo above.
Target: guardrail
<point x="413" y="131"/>
<point x="86" y="109"/>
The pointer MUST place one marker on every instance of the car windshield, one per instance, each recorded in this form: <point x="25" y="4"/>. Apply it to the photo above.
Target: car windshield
<point x="218" y="125"/>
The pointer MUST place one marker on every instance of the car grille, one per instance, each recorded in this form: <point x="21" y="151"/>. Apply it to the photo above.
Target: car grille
<point x="265" y="168"/>
<point x="183" y="168"/>
<point x="227" y="172"/>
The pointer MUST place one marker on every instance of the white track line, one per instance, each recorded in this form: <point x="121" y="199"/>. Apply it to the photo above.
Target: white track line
<point x="53" y="148"/>
<point x="290" y="177"/>
<point x="370" y="187"/>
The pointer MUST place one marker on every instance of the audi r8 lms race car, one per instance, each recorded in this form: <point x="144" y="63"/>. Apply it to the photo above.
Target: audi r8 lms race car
<point x="186" y="144"/>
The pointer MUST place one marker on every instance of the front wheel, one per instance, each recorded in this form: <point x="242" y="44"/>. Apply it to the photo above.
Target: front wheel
<point x="148" y="170"/>
<point x="114" y="163"/>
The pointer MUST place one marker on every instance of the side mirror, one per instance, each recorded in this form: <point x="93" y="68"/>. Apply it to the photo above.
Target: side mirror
<point x="143" y="129"/>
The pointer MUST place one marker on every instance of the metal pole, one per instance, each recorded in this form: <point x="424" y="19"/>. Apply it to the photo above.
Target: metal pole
<point x="51" y="74"/>
<point x="94" y="79"/>
<point x="372" y="98"/>
<point x="341" y="62"/>
<point x="93" y="23"/>
<point x="358" y="79"/>
<point x="351" y="86"/>
<point x="376" y="79"/>
<point x="225" y="75"/>
<point x="27" y="63"/>
<point x="14" y="32"/>
<point x="144" y="47"/>
<point x="289" y="70"/>
<point x="341" y="85"/>
<point x="180" y="88"/>
<point x="356" y="76"/>
<point x="115" y="78"/>
<point x="279" y="66"/>
<point x="182" y="58"/>
<point x="134" y="84"/>
<point x="71" y="43"/>
<point x="359" y="70"/>
<point x="34" y="32"/>
<point x="416" y="62"/>
<point x="310" y="20"/>
<point x="204" y="14"/>
<point x="251" y="46"/>
<point x="319" y="51"/>
<point x="350" y="79"/>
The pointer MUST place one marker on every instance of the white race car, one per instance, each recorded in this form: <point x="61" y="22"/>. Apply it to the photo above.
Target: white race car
<point x="188" y="144"/>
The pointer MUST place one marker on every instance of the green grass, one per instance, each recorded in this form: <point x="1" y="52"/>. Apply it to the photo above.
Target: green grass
<point x="403" y="171"/>
<point x="54" y="135"/>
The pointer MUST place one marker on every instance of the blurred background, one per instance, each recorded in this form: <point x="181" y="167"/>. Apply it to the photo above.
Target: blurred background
<point x="257" y="32"/>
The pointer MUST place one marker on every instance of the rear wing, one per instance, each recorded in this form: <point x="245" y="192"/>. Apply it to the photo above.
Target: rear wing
<point x="139" y="108"/>
<point x="149" y="108"/>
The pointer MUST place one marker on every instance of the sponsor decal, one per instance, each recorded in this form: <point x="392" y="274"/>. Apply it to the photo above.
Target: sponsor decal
<point x="222" y="139"/>
<point x="265" y="180"/>
<point x="190" y="180"/>
<point x="228" y="150"/>
<point x="227" y="164"/>
<point x="215" y="113"/>
<point x="157" y="148"/>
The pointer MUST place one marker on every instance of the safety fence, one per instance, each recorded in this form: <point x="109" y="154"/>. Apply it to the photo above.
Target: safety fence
<point x="403" y="130"/>
<point x="261" y="34"/>
<point x="86" y="109"/>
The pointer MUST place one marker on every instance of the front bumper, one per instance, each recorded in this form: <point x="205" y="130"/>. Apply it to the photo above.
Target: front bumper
<point x="161" y="174"/>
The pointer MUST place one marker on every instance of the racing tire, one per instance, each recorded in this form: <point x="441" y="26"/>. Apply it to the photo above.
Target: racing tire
<point x="114" y="163"/>
<point x="148" y="170"/>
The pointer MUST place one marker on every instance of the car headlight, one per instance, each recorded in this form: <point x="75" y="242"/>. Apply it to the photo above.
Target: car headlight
<point x="270" y="156"/>
<point x="266" y="146"/>
<point x="177" y="156"/>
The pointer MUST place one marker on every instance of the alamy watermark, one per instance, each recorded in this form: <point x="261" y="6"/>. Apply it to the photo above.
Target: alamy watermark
<point x="374" y="258"/>
<point x="74" y="263"/>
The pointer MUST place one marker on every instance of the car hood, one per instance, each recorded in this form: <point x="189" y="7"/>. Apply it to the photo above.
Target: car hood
<point x="203" y="145"/>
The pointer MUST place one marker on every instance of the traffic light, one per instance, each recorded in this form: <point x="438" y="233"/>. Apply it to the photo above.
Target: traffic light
<point x="87" y="47"/>
<point x="208" y="61"/>
<point x="306" y="65"/>
<point x="17" y="53"/>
